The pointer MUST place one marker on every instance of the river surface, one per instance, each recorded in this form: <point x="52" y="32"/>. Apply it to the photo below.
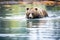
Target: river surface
<point x="20" y="28"/>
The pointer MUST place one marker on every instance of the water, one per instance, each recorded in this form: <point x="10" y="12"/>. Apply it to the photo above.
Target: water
<point x="17" y="27"/>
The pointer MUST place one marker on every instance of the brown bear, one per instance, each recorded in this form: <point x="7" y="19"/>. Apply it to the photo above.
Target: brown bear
<point x="35" y="13"/>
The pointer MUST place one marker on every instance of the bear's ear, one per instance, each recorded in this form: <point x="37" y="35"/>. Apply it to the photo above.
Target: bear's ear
<point x="27" y="8"/>
<point x="36" y="9"/>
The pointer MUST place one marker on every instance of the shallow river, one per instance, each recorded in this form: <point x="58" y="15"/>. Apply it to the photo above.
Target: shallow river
<point x="20" y="28"/>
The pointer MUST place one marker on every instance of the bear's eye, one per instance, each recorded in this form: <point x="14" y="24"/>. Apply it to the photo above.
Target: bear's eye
<point x="27" y="8"/>
<point x="36" y="9"/>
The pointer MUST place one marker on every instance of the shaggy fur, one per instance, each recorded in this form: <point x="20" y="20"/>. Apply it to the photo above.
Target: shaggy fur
<point x="35" y="13"/>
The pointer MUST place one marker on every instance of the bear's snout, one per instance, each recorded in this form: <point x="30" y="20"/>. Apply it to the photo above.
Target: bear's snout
<point x="30" y="15"/>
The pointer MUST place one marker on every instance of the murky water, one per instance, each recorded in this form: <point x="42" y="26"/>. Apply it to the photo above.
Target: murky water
<point x="20" y="28"/>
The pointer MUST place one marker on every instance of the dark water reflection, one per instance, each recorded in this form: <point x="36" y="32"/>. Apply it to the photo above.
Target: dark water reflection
<point x="29" y="29"/>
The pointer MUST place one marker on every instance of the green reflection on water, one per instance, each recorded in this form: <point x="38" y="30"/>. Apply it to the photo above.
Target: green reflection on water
<point x="10" y="10"/>
<point x="53" y="8"/>
<point x="13" y="26"/>
<point x="13" y="23"/>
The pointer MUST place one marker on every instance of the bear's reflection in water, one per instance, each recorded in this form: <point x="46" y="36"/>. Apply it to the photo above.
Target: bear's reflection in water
<point x="36" y="23"/>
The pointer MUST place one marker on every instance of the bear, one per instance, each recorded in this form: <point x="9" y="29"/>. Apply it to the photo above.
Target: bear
<point x="32" y="13"/>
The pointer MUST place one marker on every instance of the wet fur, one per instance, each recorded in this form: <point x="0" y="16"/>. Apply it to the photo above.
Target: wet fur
<point x="37" y="13"/>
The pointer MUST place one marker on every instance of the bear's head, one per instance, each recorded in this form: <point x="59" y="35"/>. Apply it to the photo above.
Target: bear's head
<point x="32" y="13"/>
